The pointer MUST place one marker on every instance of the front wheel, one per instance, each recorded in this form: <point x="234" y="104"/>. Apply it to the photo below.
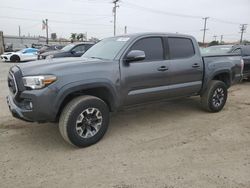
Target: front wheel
<point x="215" y="96"/>
<point x="15" y="58"/>
<point x="84" y="121"/>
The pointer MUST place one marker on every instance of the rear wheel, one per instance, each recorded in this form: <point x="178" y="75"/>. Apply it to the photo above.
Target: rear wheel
<point x="215" y="96"/>
<point x="15" y="58"/>
<point x="84" y="121"/>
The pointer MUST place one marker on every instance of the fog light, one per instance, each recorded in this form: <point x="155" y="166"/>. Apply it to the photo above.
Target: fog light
<point x="31" y="105"/>
<point x="26" y="104"/>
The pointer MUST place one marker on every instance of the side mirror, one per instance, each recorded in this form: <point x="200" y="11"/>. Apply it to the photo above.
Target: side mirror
<point x="135" y="55"/>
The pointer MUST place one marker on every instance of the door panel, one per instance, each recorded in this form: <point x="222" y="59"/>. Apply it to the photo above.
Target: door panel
<point x="186" y="67"/>
<point x="145" y="80"/>
<point x="28" y="56"/>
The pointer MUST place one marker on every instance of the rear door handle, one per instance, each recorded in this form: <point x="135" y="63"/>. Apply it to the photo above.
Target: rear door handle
<point x="195" y="65"/>
<point x="162" y="68"/>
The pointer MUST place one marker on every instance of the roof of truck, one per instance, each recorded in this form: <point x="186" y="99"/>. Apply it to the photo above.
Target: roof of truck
<point x="154" y="33"/>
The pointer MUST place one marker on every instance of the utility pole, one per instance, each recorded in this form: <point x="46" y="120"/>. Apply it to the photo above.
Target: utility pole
<point x="221" y="39"/>
<point x="19" y="34"/>
<point x="243" y="28"/>
<point x="47" y="32"/>
<point x="114" y="12"/>
<point x="205" y="29"/>
<point x="215" y="36"/>
<point x="19" y="31"/>
<point x="125" y="30"/>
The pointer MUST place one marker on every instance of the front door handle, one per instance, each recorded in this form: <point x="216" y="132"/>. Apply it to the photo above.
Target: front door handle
<point x="195" y="65"/>
<point x="162" y="68"/>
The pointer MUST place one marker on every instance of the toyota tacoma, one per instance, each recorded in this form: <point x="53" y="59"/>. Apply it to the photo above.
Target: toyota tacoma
<point x="120" y="71"/>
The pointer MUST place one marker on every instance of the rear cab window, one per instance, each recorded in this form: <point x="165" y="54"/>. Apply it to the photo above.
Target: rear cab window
<point x="180" y="48"/>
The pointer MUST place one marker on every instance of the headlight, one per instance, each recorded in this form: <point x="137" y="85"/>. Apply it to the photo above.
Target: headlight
<point x="49" y="56"/>
<point x="38" y="82"/>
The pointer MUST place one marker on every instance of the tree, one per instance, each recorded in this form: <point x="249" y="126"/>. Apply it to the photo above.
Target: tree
<point x="81" y="37"/>
<point x="245" y="42"/>
<point x="73" y="36"/>
<point x="93" y="39"/>
<point x="213" y="43"/>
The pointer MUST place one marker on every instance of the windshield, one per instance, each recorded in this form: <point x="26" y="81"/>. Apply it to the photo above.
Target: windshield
<point x="107" y="48"/>
<point x="68" y="47"/>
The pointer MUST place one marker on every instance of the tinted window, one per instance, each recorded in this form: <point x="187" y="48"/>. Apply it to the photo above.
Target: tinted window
<point x="237" y="50"/>
<point x="87" y="46"/>
<point x="246" y="50"/>
<point x="151" y="46"/>
<point x="29" y="50"/>
<point x="68" y="47"/>
<point x="180" y="48"/>
<point x="80" y="48"/>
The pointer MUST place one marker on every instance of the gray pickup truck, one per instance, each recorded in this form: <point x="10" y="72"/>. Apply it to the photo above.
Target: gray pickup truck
<point x="79" y="93"/>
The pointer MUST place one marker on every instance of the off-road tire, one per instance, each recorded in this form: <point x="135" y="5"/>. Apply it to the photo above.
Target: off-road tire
<point x="69" y="115"/>
<point x="207" y="98"/>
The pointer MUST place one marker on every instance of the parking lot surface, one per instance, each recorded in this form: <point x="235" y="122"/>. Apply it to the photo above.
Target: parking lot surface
<point x="169" y="144"/>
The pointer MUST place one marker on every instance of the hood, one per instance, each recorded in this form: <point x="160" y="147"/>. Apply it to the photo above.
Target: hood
<point x="57" y="66"/>
<point x="8" y="53"/>
<point x="52" y="52"/>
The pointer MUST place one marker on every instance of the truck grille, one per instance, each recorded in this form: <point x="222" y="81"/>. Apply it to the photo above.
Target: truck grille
<point x="12" y="83"/>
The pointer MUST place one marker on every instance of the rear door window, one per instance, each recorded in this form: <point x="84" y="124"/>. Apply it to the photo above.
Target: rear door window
<point x="180" y="48"/>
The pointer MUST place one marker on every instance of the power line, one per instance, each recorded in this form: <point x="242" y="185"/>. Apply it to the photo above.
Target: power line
<point x="50" y="12"/>
<point x="161" y="12"/>
<point x="53" y="21"/>
<point x="176" y="14"/>
<point x="223" y="21"/>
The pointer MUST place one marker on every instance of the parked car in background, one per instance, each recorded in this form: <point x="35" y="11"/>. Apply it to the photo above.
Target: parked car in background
<point x="9" y="47"/>
<point x="27" y="54"/>
<point x="71" y="50"/>
<point x="218" y="49"/>
<point x="37" y="46"/>
<point x="47" y="48"/>
<point x="244" y="51"/>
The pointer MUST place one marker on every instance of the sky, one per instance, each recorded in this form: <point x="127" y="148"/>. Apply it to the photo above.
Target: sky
<point x="95" y="17"/>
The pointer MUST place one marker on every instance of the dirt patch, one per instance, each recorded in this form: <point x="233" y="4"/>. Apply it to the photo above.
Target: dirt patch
<point x="167" y="145"/>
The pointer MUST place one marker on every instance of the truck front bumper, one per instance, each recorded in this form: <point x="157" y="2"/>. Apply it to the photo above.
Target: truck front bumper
<point x="32" y="108"/>
<point x="18" y="112"/>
